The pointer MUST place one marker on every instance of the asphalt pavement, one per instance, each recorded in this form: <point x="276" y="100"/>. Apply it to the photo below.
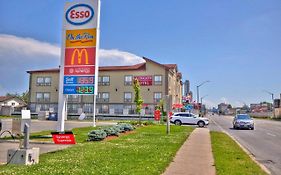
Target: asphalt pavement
<point x="264" y="143"/>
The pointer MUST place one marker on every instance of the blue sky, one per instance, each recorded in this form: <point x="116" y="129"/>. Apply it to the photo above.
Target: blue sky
<point x="236" y="44"/>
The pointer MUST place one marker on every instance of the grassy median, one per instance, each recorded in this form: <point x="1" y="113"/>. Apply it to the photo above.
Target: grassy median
<point x="230" y="159"/>
<point x="148" y="150"/>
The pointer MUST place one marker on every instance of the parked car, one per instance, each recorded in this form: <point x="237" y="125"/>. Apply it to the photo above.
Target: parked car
<point x="180" y="118"/>
<point x="243" y="121"/>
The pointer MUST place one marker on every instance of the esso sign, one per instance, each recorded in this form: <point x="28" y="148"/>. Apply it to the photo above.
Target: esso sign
<point x="79" y="14"/>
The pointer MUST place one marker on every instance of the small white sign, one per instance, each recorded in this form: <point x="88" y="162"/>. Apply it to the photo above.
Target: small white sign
<point x="25" y="114"/>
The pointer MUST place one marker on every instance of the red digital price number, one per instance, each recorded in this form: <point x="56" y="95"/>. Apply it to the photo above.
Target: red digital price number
<point x="85" y="80"/>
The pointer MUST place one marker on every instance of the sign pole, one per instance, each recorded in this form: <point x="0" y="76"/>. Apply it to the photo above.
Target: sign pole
<point x="94" y="112"/>
<point x="168" y="108"/>
<point x="97" y="62"/>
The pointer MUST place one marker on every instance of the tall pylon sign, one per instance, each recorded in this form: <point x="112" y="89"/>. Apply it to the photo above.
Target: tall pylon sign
<point x="79" y="53"/>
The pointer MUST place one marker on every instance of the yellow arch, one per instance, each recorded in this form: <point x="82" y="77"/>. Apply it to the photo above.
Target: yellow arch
<point x="79" y="54"/>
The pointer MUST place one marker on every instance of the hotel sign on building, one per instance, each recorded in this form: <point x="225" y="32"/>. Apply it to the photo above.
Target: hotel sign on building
<point x="80" y="43"/>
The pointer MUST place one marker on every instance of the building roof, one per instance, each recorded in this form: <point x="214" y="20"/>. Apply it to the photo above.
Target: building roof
<point x="140" y="66"/>
<point x="170" y="66"/>
<point x="5" y="98"/>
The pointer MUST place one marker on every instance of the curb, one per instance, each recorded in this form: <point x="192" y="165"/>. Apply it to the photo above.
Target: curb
<point x="264" y="168"/>
<point x="31" y="142"/>
<point x="250" y="154"/>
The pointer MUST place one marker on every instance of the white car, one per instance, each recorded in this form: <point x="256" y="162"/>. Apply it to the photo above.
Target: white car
<point x="180" y="118"/>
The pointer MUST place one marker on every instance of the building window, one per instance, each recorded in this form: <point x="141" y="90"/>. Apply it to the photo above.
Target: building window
<point x="88" y="108"/>
<point x="47" y="81"/>
<point x="99" y="81"/>
<point x="104" y="109"/>
<point x="105" y="81"/>
<point x="157" y="79"/>
<point x="128" y="97"/>
<point x="73" y="108"/>
<point x="105" y="96"/>
<point x="157" y="97"/>
<point x="43" y="97"/>
<point x="73" y="98"/>
<point x="128" y="80"/>
<point x="44" y="81"/>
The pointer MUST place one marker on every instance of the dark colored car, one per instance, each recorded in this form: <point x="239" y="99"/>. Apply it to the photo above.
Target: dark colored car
<point x="242" y="121"/>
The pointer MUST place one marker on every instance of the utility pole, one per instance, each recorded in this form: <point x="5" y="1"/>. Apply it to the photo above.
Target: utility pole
<point x="197" y="88"/>
<point x="272" y="97"/>
<point x="203" y="98"/>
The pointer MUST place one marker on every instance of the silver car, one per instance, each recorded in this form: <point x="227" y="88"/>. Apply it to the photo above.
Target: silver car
<point x="243" y="121"/>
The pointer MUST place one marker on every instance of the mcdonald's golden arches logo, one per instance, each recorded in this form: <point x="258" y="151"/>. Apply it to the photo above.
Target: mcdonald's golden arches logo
<point x="79" y="56"/>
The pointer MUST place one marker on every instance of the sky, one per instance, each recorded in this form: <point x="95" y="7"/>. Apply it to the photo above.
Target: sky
<point x="234" y="44"/>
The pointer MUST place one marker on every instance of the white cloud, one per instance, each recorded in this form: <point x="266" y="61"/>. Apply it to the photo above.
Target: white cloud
<point x="27" y="47"/>
<point x="19" y="54"/>
<point x="117" y="57"/>
<point x="30" y="49"/>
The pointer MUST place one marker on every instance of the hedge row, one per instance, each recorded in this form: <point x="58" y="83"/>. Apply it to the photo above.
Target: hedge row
<point x="103" y="132"/>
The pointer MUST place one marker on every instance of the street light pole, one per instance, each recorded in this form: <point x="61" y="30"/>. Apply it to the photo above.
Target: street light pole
<point x="272" y="97"/>
<point x="197" y="88"/>
<point x="203" y="98"/>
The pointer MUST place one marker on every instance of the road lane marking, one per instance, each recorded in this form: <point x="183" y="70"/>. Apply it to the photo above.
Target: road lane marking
<point x="271" y="134"/>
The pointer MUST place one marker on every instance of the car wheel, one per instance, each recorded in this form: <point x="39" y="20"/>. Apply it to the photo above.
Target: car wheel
<point x="234" y="127"/>
<point x="201" y="124"/>
<point x="178" y="122"/>
<point x="252" y="128"/>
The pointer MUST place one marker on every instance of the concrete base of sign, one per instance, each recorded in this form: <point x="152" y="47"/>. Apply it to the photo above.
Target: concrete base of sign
<point x="23" y="156"/>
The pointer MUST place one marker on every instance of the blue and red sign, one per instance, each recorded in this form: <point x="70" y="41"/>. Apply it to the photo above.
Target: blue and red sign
<point x="79" y="14"/>
<point x="74" y="80"/>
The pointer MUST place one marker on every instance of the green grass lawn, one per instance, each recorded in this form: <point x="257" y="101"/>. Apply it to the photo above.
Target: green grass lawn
<point x="6" y="117"/>
<point x="230" y="159"/>
<point x="147" y="151"/>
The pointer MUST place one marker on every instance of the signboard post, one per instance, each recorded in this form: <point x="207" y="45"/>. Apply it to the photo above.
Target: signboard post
<point x="79" y="53"/>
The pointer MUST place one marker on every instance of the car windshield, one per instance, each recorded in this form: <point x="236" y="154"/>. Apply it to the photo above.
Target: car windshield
<point x="243" y="117"/>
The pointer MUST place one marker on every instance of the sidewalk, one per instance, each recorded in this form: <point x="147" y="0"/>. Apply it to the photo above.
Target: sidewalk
<point x="195" y="156"/>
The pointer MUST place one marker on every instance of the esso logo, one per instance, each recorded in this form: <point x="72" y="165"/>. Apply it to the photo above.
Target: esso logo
<point x="79" y="14"/>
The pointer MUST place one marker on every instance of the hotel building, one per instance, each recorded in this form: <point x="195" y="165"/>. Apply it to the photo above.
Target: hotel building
<point x="115" y="90"/>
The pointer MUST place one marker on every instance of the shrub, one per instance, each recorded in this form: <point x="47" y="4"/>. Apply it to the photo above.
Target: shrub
<point x="111" y="131"/>
<point x="126" y="126"/>
<point x="96" y="135"/>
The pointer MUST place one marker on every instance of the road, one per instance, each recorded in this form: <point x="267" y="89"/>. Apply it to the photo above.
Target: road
<point x="264" y="143"/>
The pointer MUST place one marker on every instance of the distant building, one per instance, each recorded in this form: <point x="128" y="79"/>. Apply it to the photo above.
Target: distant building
<point x="115" y="91"/>
<point x="224" y="108"/>
<point x="11" y="101"/>
<point x="186" y="87"/>
<point x="261" y="107"/>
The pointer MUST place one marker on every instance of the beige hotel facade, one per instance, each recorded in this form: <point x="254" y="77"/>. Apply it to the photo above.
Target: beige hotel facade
<point x="115" y="90"/>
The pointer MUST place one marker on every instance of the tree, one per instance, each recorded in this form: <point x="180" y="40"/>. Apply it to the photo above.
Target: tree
<point x="138" y="100"/>
<point x="24" y="96"/>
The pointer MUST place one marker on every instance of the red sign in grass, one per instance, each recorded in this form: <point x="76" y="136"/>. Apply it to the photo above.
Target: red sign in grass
<point x="63" y="138"/>
<point x="157" y="115"/>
